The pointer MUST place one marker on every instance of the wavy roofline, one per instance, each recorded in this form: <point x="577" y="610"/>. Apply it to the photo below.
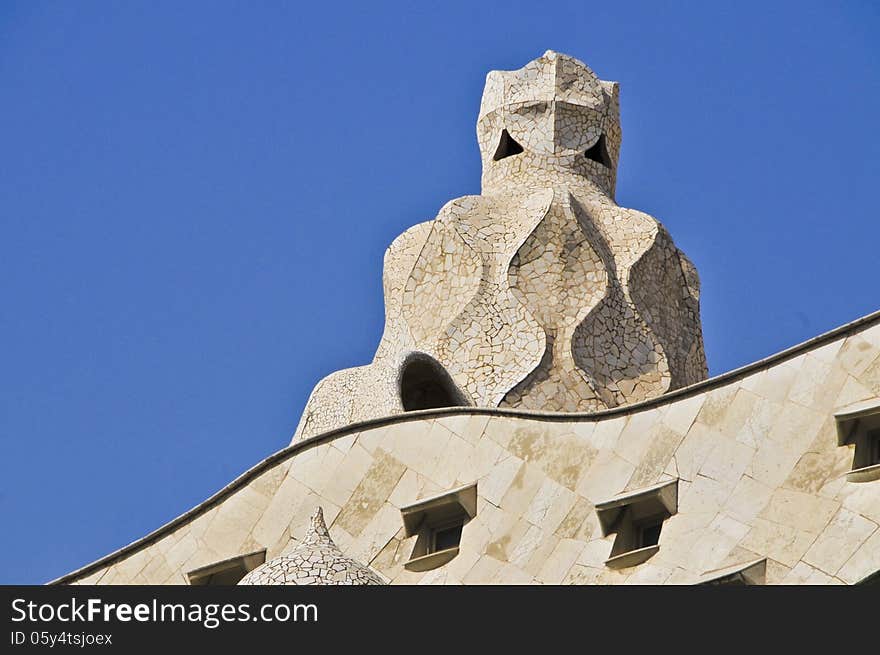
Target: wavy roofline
<point x="706" y="385"/>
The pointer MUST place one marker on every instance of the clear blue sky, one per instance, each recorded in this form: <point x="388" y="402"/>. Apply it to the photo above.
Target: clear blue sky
<point x="195" y="199"/>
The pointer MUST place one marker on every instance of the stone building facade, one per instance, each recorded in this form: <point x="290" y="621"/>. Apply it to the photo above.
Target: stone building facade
<point x="538" y="412"/>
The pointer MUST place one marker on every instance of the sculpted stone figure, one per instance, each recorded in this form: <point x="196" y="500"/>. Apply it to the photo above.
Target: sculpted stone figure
<point x="541" y="292"/>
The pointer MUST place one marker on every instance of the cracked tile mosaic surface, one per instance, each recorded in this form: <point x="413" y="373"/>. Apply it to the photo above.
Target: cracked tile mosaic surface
<point x="541" y="293"/>
<point x="315" y="561"/>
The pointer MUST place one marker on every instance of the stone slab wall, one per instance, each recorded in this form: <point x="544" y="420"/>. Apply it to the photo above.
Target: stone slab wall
<point x="760" y="474"/>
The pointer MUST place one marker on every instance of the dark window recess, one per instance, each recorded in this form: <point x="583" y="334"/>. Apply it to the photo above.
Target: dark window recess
<point x="649" y="533"/>
<point x="438" y="522"/>
<point x="444" y="538"/>
<point x="874" y="441"/>
<point x="425" y="385"/>
<point x="228" y="571"/>
<point x="507" y="146"/>
<point x="599" y="153"/>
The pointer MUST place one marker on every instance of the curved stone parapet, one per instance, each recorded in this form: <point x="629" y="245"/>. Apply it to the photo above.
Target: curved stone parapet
<point x="760" y="473"/>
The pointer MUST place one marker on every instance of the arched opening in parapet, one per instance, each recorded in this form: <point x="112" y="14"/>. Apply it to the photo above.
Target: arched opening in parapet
<point x="507" y="146"/>
<point x="425" y="384"/>
<point x="599" y="153"/>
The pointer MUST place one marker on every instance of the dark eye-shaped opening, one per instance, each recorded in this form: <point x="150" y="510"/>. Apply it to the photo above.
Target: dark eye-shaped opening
<point x="599" y="153"/>
<point x="425" y="384"/>
<point x="507" y="146"/>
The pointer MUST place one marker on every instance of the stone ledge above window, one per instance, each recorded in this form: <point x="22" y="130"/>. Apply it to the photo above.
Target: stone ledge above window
<point x="859" y="425"/>
<point x="227" y="571"/>
<point x="637" y="517"/>
<point x="438" y="521"/>
<point x="750" y="573"/>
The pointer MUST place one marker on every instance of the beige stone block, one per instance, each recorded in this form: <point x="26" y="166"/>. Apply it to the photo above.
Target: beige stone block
<point x="608" y="476"/>
<point x="796" y="427"/>
<point x="584" y="430"/>
<point x="775" y="383"/>
<point x="748" y="499"/>
<point x="862" y="499"/>
<point x="500" y="429"/>
<point x="390" y="560"/>
<point x="580" y="522"/>
<point x="782" y="543"/>
<point x="345" y="442"/>
<point x="775" y="572"/>
<point x="462" y="564"/>
<point x="710" y="550"/>
<point x="740" y="409"/>
<point x="680" y="576"/>
<point x="550" y="506"/>
<point x="716" y="402"/>
<point x="468" y="427"/>
<point x="522" y="490"/>
<point x="510" y="574"/>
<point x="839" y="540"/>
<point x="702" y="496"/>
<point x="773" y="463"/>
<point x="582" y="575"/>
<point x="495" y="484"/>
<point x="560" y="561"/>
<point x="818" y="384"/>
<point x="267" y="482"/>
<point x="872" y="335"/>
<point x="373" y="438"/>
<point x="539" y="556"/>
<point x="727" y="461"/>
<point x="857" y="354"/>
<point x="650" y="573"/>
<point x="813" y="471"/>
<point x="681" y="414"/>
<point x="324" y="467"/>
<point x="182" y="551"/>
<point x="235" y="518"/>
<point x="606" y="433"/>
<point x="828" y="352"/>
<point x="803" y="574"/>
<point x="799" y="510"/>
<point x="483" y="571"/>
<point x="635" y="439"/>
<point x="699" y="442"/>
<point x="852" y="392"/>
<point x="376" y="534"/>
<point x="864" y="562"/>
<point x="758" y="425"/>
<point x="595" y="553"/>
<point x="157" y="571"/>
<point x="413" y="487"/>
<point x="417" y="445"/>
<point x="481" y="461"/>
<point x="524" y="546"/>
<point x="449" y="464"/>
<point x="561" y="455"/>
<point x="127" y="569"/>
<point x="506" y="536"/>
<point x="663" y="444"/>
<point x="274" y="522"/>
<point x="371" y="493"/>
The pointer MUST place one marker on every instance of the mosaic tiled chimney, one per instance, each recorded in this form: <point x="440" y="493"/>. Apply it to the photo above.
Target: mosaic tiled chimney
<point x="541" y="292"/>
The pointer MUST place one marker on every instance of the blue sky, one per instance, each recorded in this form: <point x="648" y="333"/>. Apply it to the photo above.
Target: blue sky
<point x="195" y="199"/>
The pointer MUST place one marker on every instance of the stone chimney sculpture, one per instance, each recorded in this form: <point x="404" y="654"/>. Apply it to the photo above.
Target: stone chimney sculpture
<point x="540" y="293"/>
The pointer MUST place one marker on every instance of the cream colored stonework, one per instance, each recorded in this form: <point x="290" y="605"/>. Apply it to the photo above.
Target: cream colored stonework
<point x="568" y="327"/>
<point x="540" y="293"/>
<point x="753" y="483"/>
